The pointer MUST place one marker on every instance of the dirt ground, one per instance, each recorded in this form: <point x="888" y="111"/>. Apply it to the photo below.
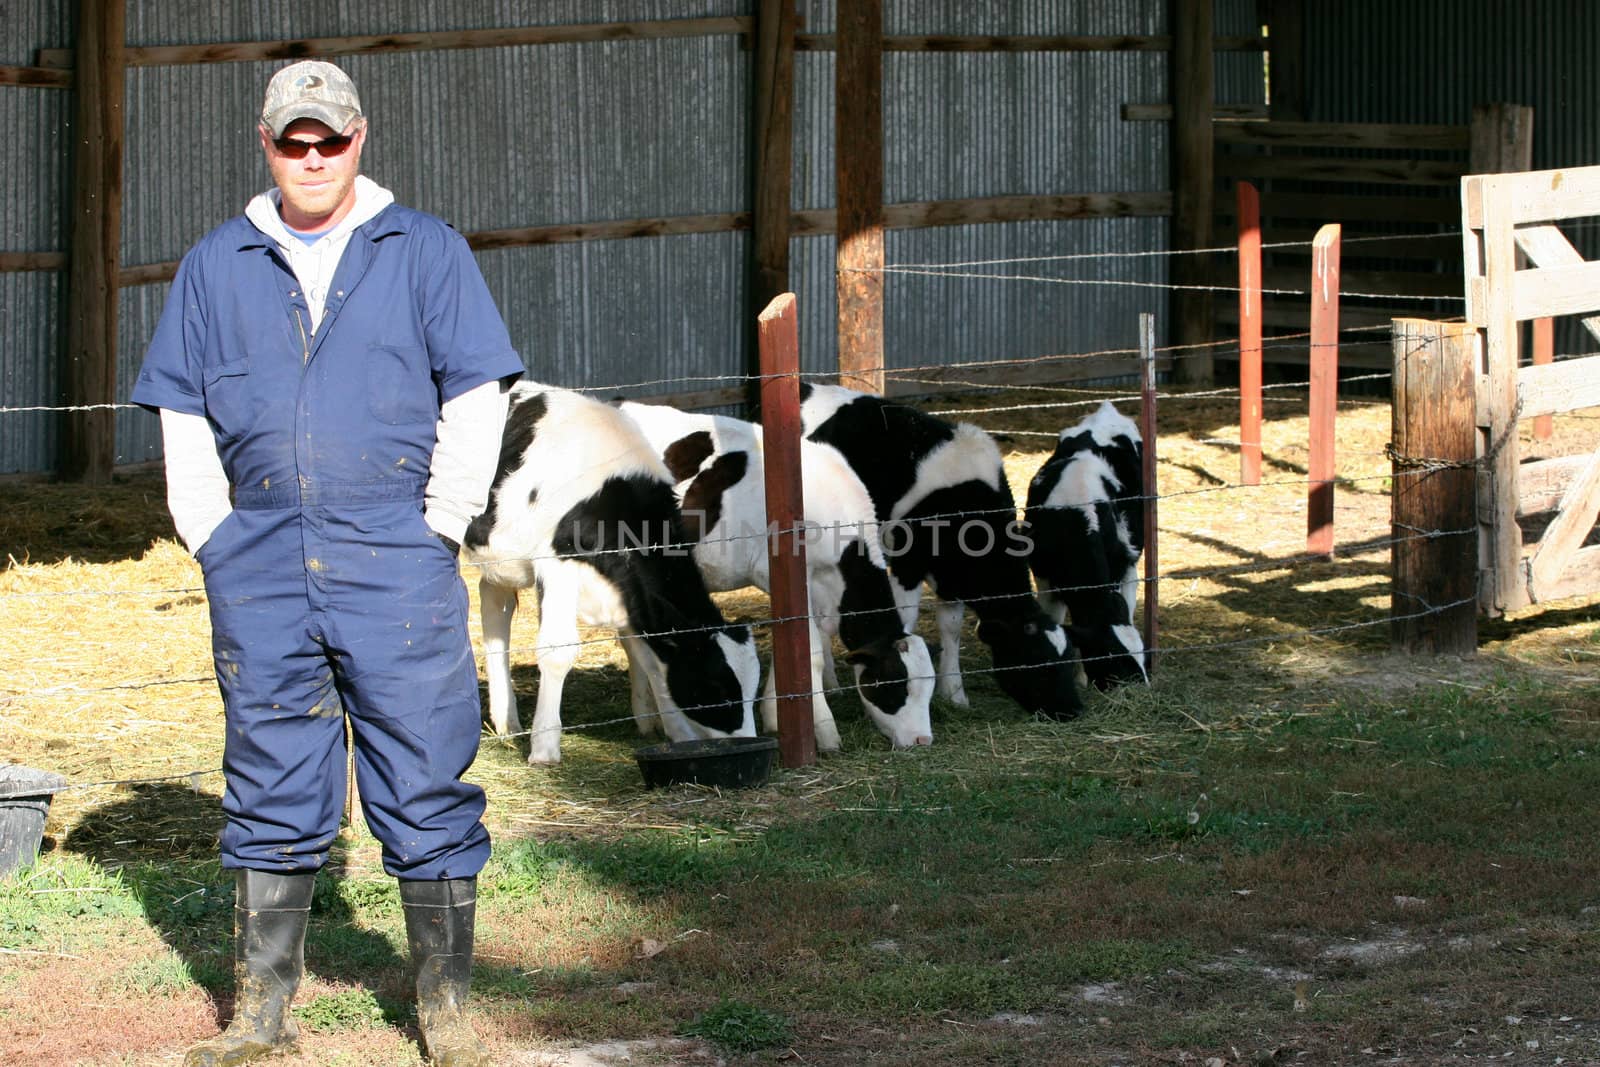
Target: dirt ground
<point x="107" y="677"/>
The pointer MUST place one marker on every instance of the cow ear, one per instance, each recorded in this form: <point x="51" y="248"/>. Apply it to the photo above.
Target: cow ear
<point x="902" y="646"/>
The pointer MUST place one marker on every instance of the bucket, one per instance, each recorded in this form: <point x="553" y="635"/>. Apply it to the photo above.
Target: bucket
<point x="24" y="802"/>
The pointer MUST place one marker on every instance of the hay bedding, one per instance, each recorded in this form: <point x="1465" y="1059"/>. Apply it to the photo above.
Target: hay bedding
<point x="105" y="636"/>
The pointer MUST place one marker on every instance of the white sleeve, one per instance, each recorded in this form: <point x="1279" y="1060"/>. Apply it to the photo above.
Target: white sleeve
<point x="197" y="488"/>
<point x="464" y="459"/>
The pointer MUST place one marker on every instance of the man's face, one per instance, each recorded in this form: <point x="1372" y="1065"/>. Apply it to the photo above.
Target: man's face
<point x="319" y="187"/>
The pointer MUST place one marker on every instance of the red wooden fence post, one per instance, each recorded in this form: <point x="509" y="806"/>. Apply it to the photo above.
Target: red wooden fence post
<point x="1544" y="351"/>
<point x="1147" y="431"/>
<point x="1324" y="387"/>
<point x="786" y="546"/>
<point x="1249" y="213"/>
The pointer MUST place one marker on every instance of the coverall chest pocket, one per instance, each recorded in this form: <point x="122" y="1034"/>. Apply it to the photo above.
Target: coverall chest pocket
<point x="400" y="387"/>
<point x="229" y="402"/>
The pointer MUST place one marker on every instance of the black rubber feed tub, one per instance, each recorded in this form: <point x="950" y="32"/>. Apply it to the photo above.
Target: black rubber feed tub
<point x="725" y="762"/>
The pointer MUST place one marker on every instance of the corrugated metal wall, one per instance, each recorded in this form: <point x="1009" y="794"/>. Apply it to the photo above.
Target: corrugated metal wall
<point x="34" y="193"/>
<point x="1433" y="60"/>
<point x="574" y="133"/>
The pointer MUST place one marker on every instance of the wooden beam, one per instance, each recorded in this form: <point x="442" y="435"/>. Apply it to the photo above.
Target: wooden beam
<point x="39" y="77"/>
<point x="773" y="148"/>
<point x="1501" y="139"/>
<point x="858" y="151"/>
<point x="1345" y="208"/>
<point x="1547" y="246"/>
<point x="1580" y="506"/>
<point x="811" y="223"/>
<point x="89" y="445"/>
<point x="17" y="262"/>
<point x="1163" y="112"/>
<point x="1191" y="91"/>
<point x="1041" y="370"/>
<point x="1325" y="169"/>
<point x="326" y="47"/>
<point x="1581" y="578"/>
<point x="1534" y="196"/>
<point x="1571" y="385"/>
<point x="827" y="42"/>
<point x="1377" y="135"/>
<point x="1286" y="58"/>
<point x="1542" y="483"/>
<point x="1433" y="420"/>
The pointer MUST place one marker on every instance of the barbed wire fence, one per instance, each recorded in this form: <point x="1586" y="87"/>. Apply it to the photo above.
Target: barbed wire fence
<point x="1055" y="398"/>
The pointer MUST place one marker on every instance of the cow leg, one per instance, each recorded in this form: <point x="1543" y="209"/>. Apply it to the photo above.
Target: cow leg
<point x="827" y="731"/>
<point x="496" y="605"/>
<point x="557" y="651"/>
<point x="769" y="700"/>
<point x="642" y="698"/>
<point x="950" y="613"/>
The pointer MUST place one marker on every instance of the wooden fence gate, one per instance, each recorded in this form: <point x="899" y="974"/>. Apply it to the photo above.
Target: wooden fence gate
<point x="1520" y="267"/>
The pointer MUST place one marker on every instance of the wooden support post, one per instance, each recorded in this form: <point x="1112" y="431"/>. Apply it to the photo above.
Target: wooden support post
<point x="1544" y="353"/>
<point x="1500" y="549"/>
<point x="1190" y="87"/>
<point x="773" y="142"/>
<point x="1249" y="214"/>
<point x="1324" y="388"/>
<point x="786" y="545"/>
<point x="89" y="443"/>
<point x="858" y="149"/>
<point x="1435" y="556"/>
<point x="1286" y="60"/>
<point x="1147" y="431"/>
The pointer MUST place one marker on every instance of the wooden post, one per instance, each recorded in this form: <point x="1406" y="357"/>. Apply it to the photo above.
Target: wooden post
<point x="1190" y="87"/>
<point x="1435" y="556"/>
<point x="1544" y="352"/>
<point x="89" y="441"/>
<point x="776" y="23"/>
<point x="1286" y="59"/>
<point x="786" y="546"/>
<point x="1147" y="431"/>
<point x="1501" y="139"/>
<point x="858" y="149"/>
<point x="1497" y="485"/>
<point x="1324" y="388"/>
<point x="1249" y="214"/>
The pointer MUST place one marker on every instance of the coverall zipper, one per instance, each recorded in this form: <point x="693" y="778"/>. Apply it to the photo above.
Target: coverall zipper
<point x="305" y="349"/>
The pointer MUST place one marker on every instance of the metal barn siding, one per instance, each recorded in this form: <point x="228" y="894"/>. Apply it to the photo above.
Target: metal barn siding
<point x="34" y="194"/>
<point x="523" y="136"/>
<point x="971" y="125"/>
<point x="1433" y="60"/>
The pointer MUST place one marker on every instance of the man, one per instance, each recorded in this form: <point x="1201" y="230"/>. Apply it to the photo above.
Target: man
<point x="329" y="370"/>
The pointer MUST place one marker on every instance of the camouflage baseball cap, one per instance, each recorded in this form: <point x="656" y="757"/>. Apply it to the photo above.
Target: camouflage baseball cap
<point x="310" y="90"/>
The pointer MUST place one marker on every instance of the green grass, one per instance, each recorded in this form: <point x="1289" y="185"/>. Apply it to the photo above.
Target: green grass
<point x="1185" y="860"/>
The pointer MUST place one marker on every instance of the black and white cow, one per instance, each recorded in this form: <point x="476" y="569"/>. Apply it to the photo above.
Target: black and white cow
<point x="719" y="465"/>
<point x="948" y="518"/>
<point x="583" y="510"/>
<point x="1085" y="518"/>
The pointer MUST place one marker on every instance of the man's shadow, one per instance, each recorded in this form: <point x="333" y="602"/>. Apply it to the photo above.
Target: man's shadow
<point x="163" y="839"/>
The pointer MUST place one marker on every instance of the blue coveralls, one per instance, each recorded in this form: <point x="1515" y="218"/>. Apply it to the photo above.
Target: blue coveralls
<point x="329" y="595"/>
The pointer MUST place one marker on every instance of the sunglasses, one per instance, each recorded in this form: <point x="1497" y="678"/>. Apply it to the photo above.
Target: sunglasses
<point x="327" y="148"/>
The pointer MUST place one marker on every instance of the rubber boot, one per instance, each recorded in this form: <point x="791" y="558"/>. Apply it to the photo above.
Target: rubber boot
<point x="269" y="935"/>
<point x="439" y="921"/>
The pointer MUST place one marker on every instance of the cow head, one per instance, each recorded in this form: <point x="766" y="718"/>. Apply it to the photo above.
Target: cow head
<point x="1034" y="663"/>
<point x="705" y="682"/>
<point x="1112" y="655"/>
<point x="895" y="679"/>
